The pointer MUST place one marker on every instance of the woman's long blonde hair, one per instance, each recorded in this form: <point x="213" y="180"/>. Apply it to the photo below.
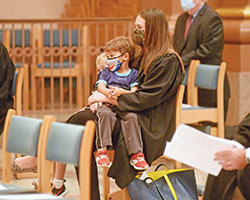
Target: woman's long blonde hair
<point x="157" y="37"/>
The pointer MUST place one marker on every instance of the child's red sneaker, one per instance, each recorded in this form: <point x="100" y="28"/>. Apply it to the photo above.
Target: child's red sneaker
<point x="138" y="161"/>
<point x="102" y="158"/>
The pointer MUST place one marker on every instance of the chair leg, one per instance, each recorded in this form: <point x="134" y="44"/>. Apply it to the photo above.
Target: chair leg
<point x="214" y="132"/>
<point x="221" y="130"/>
<point x="119" y="195"/>
<point x="106" y="183"/>
<point x="33" y="89"/>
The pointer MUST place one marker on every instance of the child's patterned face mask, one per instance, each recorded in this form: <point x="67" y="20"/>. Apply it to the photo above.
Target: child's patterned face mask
<point x="114" y="64"/>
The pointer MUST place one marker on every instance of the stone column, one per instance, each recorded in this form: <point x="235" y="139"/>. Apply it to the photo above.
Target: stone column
<point x="236" y="53"/>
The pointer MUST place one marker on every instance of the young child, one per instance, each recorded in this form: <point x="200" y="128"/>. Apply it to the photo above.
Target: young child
<point x="101" y="62"/>
<point x="117" y="79"/>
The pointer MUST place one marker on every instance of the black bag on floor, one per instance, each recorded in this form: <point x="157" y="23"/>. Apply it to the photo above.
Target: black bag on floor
<point x="174" y="184"/>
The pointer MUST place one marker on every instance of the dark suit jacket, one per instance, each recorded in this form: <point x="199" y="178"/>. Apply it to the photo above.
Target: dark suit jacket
<point x="204" y="41"/>
<point x="7" y="70"/>
<point x="243" y="135"/>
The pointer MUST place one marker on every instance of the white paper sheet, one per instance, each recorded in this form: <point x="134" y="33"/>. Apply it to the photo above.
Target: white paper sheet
<point x="196" y="149"/>
<point x="2" y="187"/>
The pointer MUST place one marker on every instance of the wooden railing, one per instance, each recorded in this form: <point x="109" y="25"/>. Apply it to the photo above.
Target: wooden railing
<point x="61" y="56"/>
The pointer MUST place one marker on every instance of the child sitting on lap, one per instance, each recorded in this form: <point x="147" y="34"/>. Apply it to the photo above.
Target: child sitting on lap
<point x="117" y="79"/>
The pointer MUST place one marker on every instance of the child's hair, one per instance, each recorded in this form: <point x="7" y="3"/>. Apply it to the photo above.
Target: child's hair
<point x="101" y="61"/>
<point x="122" y="44"/>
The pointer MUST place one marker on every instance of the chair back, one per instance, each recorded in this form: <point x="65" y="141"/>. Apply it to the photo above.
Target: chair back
<point x="68" y="143"/>
<point x="207" y="77"/>
<point x="1" y="36"/>
<point x="14" y="83"/>
<point x="178" y="104"/>
<point x="65" y="39"/>
<point x="17" y="88"/>
<point x="23" y="135"/>
<point x="20" y="38"/>
<point x="62" y="135"/>
<point x="20" y="135"/>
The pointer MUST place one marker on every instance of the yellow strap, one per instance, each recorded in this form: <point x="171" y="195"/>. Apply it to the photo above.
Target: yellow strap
<point x="170" y="187"/>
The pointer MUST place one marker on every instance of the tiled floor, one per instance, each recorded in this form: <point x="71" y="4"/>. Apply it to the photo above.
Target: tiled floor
<point x="72" y="184"/>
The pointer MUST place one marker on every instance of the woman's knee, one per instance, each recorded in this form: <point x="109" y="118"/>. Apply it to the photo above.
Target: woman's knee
<point x="130" y="116"/>
<point x="106" y="113"/>
<point x="81" y="117"/>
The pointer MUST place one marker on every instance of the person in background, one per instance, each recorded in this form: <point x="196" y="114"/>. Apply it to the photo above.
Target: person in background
<point x="7" y="70"/>
<point x="236" y="168"/>
<point x="199" y="35"/>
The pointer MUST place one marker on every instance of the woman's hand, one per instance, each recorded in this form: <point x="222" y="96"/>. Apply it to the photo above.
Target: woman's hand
<point x="97" y="97"/>
<point x="94" y="106"/>
<point x="232" y="159"/>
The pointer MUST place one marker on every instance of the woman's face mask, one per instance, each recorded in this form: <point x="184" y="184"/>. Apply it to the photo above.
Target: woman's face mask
<point x="114" y="64"/>
<point x="139" y="36"/>
<point x="187" y="4"/>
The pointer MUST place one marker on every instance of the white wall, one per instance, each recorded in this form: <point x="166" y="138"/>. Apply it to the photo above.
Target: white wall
<point x="31" y="9"/>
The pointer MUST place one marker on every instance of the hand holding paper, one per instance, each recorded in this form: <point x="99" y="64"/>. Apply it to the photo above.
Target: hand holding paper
<point x="197" y="149"/>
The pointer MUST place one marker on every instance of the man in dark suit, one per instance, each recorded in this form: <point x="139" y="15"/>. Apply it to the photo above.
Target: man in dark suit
<point x="199" y="35"/>
<point x="236" y="168"/>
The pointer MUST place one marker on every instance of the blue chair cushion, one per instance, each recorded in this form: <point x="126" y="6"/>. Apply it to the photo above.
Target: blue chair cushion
<point x="207" y="76"/>
<point x="18" y="64"/>
<point x="23" y="135"/>
<point x="1" y="36"/>
<point x="14" y="83"/>
<point x="18" y="38"/>
<point x="184" y="82"/>
<point x="64" y="142"/>
<point x="56" y="38"/>
<point x="189" y="107"/>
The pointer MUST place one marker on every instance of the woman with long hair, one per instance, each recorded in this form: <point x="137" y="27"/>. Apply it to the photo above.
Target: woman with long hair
<point x="160" y="73"/>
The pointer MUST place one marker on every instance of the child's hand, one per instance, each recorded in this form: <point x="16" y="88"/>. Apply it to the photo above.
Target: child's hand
<point x="112" y="94"/>
<point x="116" y="91"/>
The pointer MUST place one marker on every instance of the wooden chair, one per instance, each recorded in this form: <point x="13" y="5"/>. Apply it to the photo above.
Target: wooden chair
<point x="123" y="194"/>
<point x="17" y="88"/>
<point x="54" y="61"/>
<point x="21" y="135"/>
<point x="21" y="37"/>
<point x="206" y="77"/>
<point x="72" y="144"/>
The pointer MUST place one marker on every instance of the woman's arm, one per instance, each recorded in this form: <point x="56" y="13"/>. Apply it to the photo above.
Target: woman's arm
<point x="116" y="92"/>
<point x="162" y="80"/>
<point x="99" y="97"/>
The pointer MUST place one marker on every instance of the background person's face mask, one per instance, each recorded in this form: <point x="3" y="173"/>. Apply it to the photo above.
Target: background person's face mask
<point x="114" y="64"/>
<point x="138" y="36"/>
<point x="187" y="4"/>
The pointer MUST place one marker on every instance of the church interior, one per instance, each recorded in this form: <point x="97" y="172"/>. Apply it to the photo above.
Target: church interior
<point x="54" y="43"/>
